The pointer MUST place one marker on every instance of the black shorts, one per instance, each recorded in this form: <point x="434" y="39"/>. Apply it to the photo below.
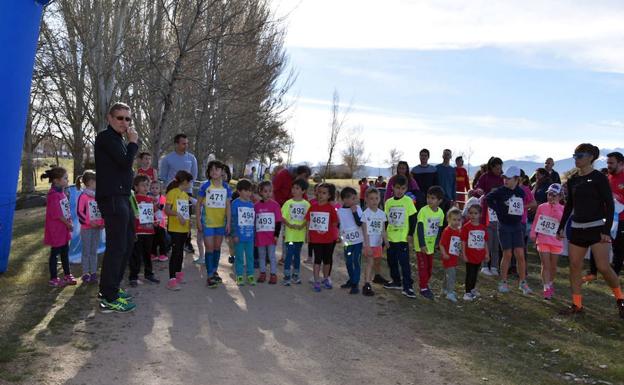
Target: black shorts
<point x="323" y="253"/>
<point x="585" y="237"/>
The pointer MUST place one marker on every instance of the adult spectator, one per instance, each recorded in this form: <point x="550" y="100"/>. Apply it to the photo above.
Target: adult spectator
<point x="425" y="174"/>
<point x="380" y="182"/>
<point x="552" y="174"/>
<point x="412" y="186"/>
<point x="540" y="187"/>
<point x="253" y="175"/>
<point x="113" y="164"/>
<point x="615" y="165"/>
<point x="282" y="182"/>
<point x="462" y="182"/>
<point x="447" y="178"/>
<point x="179" y="159"/>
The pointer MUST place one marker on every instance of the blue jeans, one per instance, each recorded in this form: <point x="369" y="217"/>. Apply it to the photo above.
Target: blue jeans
<point x="244" y="251"/>
<point x="293" y="258"/>
<point x="398" y="255"/>
<point x="263" y="251"/>
<point x="353" y="259"/>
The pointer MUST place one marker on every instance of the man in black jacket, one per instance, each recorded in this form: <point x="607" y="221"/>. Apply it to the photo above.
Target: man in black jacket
<point x="113" y="166"/>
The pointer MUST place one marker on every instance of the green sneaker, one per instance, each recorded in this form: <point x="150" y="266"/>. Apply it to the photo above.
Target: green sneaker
<point x="240" y="281"/>
<point x="119" y="305"/>
<point x="124" y="294"/>
<point x="251" y="280"/>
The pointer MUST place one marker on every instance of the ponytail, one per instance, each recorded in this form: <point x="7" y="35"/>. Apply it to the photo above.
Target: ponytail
<point x="53" y="173"/>
<point x="180" y="177"/>
<point x="86" y="177"/>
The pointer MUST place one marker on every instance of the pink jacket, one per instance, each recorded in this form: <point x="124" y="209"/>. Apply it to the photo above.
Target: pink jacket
<point x="88" y="212"/>
<point x="56" y="233"/>
<point x="547" y="210"/>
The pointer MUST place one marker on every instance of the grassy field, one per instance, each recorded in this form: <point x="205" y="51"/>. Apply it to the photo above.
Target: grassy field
<point x="507" y="339"/>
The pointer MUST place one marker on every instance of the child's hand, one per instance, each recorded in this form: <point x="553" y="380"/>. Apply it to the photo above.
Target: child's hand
<point x="181" y="219"/>
<point x="560" y="235"/>
<point x="354" y="208"/>
<point x="446" y="256"/>
<point x="487" y="258"/>
<point x="70" y="226"/>
<point x="368" y="251"/>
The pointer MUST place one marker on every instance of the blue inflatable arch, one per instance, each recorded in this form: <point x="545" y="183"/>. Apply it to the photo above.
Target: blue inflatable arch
<point x="19" y="31"/>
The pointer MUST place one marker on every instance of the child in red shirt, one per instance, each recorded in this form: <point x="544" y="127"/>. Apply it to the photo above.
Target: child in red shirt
<point x="450" y="250"/>
<point x="144" y="228"/>
<point x="474" y="238"/>
<point x="145" y="166"/>
<point x="322" y="222"/>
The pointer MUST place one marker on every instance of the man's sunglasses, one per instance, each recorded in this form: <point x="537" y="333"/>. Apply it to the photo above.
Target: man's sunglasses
<point x="580" y="155"/>
<point x="122" y="118"/>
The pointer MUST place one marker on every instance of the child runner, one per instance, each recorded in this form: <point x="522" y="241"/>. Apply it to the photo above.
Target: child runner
<point x="58" y="226"/>
<point x="159" y="246"/>
<point x="293" y="212"/>
<point x="145" y="166"/>
<point x="374" y="229"/>
<point x="401" y="214"/>
<point x="428" y="228"/>
<point x="474" y="237"/>
<point x="243" y="223"/>
<point x="91" y="225"/>
<point x="214" y="197"/>
<point x="144" y="229"/>
<point x="268" y="226"/>
<point x="544" y="234"/>
<point x="322" y="222"/>
<point x="178" y="225"/>
<point x="508" y="203"/>
<point x="350" y="218"/>
<point x="450" y="250"/>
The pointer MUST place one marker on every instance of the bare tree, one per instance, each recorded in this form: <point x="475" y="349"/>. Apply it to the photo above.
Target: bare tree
<point x="354" y="155"/>
<point x="395" y="157"/>
<point x="336" y="124"/>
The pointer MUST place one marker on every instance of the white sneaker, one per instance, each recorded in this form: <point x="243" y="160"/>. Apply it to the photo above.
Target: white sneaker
<point x="475" y="293"/>
<point x="451" y="297"/>
<point x="486" y="271"/>
<point x="494" y="271"/>
<point x="468" y="297"/>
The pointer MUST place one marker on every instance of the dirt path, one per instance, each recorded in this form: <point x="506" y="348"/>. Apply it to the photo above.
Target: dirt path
<point x="265" y="334"/>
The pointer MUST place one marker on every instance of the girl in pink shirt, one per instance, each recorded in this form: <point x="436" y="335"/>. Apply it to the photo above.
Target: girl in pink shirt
<point x="58" y="226"/>
<point x="268" y="226"/>
<point x="91" y="225"/>
<point x="543" y="232"/>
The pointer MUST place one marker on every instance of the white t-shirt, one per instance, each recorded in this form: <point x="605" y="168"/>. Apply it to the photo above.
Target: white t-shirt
<point x="375" y="222"/>
<point x="351" y="233"/>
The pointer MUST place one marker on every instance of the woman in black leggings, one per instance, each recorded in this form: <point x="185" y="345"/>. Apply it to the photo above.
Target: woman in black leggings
<point x="591" y="200"/>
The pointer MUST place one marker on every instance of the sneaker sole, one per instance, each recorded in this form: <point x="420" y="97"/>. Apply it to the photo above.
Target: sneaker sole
<point x="408" y="295"/>
<point x="108" y="310"/>
<point x="393" y="287"/>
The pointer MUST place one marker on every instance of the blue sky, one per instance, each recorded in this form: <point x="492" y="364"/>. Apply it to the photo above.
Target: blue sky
<point x="522" y="80"/>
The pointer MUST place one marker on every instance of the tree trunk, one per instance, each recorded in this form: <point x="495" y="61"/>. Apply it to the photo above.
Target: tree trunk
<point x="28" y="166"/>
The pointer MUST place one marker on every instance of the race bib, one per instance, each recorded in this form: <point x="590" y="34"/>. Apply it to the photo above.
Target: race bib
<point x="455" y="245"/>
<point x="493" y="216"/>
<point x="65" y="208"/>
<point x="352" y="236"/>
<point x="297" y="212"/>
<point x="476" y="239"/>
<point x="396" y="216"/>
<point x="319" y="222"/>
<point x="94" y="211"/>
<point x="433" y="225"/>
<point x="547" y="225"/>
<point x="215" y="198"/>
<point x="516" y="206"/>
<point x="183" y="208"/>
<point x="146" y="213"/>
<point x="374" y="227"/>
<point x="265" y="222"/>
<point x="246" y="216"/>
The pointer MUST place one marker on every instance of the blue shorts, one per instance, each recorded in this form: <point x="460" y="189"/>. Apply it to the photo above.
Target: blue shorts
<point x="511" y="236"/>
<point x="214" y="231"/>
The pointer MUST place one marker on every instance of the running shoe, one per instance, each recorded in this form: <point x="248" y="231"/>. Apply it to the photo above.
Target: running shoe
<point x="211" y="283"/>
<point x="163" y="258"/>
<point x="240" y="280"/>
<point x="180" y="277"/>
<point x="251" y="280"/>
<point x="346" y="285"/>
<point x="548" y="293"/>
<point x="589" y="278"/>
<point x="327" y="283"/>
<point x="154" y="257"/>
<point x="367" y="290"/>
<point x="296" y="279"/>
<point x="317" y="287"/>
<point x="272" y="279"/>
<point x="427" y="293"/>
<point x="56" y="282"/>
<point x="189" y="248"/>
<point x="121" y="293"/>
<point x="486" y="271"/>
<point x="262" y="278"/>
<point x="152" y="278"/>
<point x="94" y="278"/>
<point x="524" y="287"/>
<point x="469" y="297"/>
<point x="173" y="284"/>
<point x="475" y="293"/>
<point x="409" y="293"/>
<point x="393" y="286"/>
<point x="86" y="278"/>
<point x="451" y="297"/>
<point x="503" y="287"/>
<point x="380" y="280"/>
<point x="119" y="305"/>
<point x="286" y="280"/>
<point x="69" y="280"/>
<point x="216" y="278"/>
<point x="354" y="290"/>
<point x="573" y="310"/>
<point x="494" y="271"/>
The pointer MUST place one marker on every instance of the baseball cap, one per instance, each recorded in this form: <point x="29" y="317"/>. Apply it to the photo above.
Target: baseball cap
<point x="512" y="172"/>
<point x="554" y="188"/>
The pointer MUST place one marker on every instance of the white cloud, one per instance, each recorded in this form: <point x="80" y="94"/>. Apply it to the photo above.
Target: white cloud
<point x="587" y="33"/>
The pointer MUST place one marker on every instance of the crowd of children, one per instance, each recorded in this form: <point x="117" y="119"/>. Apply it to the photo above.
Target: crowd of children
<point x="254" y="223"/>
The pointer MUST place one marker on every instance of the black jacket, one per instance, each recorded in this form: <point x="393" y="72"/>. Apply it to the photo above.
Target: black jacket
<point x="113" y="164"/>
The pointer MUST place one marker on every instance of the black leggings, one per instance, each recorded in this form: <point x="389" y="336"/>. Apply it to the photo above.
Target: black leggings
<point x="177" y="253"/>
<point x="63" y="251"/>
<point x="323" y="253"/>
<point x="159" y="246"/>
<point x="472" y="272"/>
